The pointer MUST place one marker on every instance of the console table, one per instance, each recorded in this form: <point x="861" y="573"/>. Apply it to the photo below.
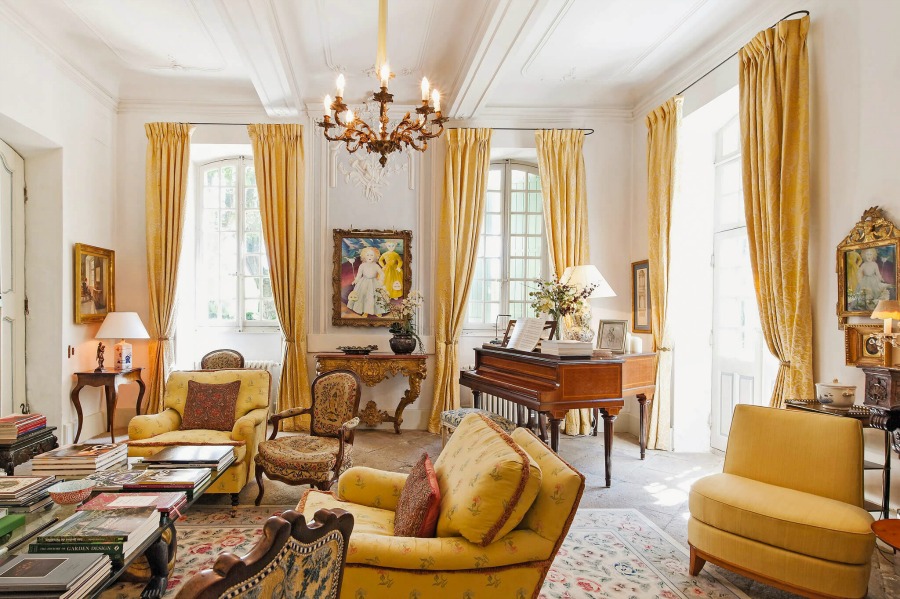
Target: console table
<point x="26" y="447"/>
<point x="110" y="381"/>
<point x="374" y="368"/>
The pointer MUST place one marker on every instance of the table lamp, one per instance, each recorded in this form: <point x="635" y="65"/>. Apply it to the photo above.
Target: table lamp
<point x="122" y="326"/>
<point x="582" y="277"/>
<point x="888" y="311"/>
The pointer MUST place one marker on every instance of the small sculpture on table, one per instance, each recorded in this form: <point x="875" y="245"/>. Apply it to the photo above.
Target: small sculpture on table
<point x="100" y="350"/>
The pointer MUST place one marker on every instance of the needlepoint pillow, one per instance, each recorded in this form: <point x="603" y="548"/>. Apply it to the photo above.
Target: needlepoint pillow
<point x="487" y="482"/>
<point x="420" y="502"/>
<point x="209" y="406"/>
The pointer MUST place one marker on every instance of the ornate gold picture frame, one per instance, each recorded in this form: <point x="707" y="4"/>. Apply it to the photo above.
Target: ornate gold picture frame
<point x="94" y="283"/>
<point x="364" y="262"/>
<point x="867" y="265"/>
<point x="861" y="347"/>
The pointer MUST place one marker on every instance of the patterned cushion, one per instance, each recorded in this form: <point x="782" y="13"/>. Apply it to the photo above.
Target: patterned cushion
<point x="303" y="457"/>
<point x="452" y="418"/>
<point x="420" y="502"/>
<point x="210" y="407"/>
<point x="334" y="398"/>
<point x="254" y="393"/>
<point x="487" y="482"/>
<point x="224" y="358"/>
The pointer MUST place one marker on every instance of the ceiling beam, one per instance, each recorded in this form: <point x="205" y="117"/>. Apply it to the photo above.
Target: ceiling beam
<point x="254" y="30"/>
<point x="503" y="23"/>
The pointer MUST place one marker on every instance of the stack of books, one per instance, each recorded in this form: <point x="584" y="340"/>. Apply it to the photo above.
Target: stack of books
<point x="77" y="461"/>
<point x="53" y="576"/>
<point x="168" y="503"/>
<point x="13" y="427"/>
<point x="181" y="479"/>
<point x="566" y="348"/>
<point x="216" y="457"/>
<point x="118" y="533"/>
<point x="23" y="494"/>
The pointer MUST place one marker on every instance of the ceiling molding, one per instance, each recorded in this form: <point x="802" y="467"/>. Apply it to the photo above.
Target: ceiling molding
<point x="653" y="47"/>
<point x="106" y="97"/>
<point x="663" y="89"/>
<point x="506" y="24"/>
<point x="255" y="32"/>
<point x="547" y="35"/>
<point x="201" y="109"/>
<point x="554" y="114"/>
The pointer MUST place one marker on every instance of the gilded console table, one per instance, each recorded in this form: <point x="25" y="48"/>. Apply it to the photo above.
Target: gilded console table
<point x="373" y="369"/>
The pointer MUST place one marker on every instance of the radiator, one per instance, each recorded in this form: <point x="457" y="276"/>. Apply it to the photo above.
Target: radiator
<point x="500" y="406"/>
<point x="274" y="369"/>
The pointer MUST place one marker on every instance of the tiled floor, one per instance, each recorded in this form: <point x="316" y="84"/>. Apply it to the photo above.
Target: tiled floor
<point x="657" y="486"/>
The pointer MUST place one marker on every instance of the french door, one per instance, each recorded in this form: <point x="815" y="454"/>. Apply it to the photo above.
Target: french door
<point x="12" y="280"/>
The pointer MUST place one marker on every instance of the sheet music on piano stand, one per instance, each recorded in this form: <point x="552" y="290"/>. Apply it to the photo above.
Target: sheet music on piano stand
<point x="526" y="334"/>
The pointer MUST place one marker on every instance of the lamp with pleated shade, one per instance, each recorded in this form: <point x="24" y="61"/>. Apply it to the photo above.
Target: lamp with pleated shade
<point x="585" y="275"/>
<point x="122" y="326"/>
<point x="888" y="311"/>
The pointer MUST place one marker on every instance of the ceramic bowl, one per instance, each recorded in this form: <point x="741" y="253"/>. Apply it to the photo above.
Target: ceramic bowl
<point x="836" y="395"/>
<point x="71" y="492"/>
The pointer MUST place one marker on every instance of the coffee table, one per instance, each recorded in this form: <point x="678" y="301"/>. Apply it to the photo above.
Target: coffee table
<point x="157" y="549"/>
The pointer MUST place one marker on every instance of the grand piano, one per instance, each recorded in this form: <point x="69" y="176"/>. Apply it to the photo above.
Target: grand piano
<point x="552" y="386"/>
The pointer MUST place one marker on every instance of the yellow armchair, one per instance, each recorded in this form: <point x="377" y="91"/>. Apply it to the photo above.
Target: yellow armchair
<point x="787" y="509"/>
<point x="150" y="433"/>
<point x="513" y="565"/>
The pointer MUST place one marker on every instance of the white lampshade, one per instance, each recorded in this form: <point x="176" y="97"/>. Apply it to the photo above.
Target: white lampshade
<point x="122" y="325"/>
<point x="584" y="275"/>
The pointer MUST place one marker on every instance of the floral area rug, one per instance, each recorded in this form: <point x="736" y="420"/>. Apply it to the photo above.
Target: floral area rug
<point x="607" y="553"/>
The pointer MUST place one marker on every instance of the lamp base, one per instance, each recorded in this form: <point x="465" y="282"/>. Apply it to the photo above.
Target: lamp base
<point x="122" y="352"/>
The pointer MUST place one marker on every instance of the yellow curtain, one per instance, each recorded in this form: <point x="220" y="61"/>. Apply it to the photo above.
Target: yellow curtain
<point x="662" y="142"/>
<point x="279" y="162"/>
<point x="561" y="164"/>
<point x="168" y="163"/>
<point x="774" y="113"/>
<point x="462" y="211"/>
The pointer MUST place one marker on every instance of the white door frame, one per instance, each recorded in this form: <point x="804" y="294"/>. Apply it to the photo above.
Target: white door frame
<point x="12" y="280"/>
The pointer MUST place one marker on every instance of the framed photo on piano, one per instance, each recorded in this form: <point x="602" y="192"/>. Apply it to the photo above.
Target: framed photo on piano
<point x="611" y="335"/>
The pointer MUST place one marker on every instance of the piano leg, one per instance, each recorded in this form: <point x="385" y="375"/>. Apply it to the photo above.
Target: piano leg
<point x="554" y="440"/>
<point x="476" y="398"/>
<point x="595" y="413"/>
<point x="608" y="420"/>
<point x="642" y="436"/>
<point x="542" y="426"/>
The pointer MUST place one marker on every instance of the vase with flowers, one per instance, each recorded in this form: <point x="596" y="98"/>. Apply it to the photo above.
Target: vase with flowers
<point x="559" y="300"/>
<point x="405" y="338"/>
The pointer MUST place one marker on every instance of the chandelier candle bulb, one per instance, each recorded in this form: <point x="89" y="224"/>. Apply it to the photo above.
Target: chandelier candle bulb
<point x="327" y="105"/>
<point x="425" y="89"/>
<point x="436" y="99"/>
<point x="341" y="82"/>
<point x="385" y="75"/>
<point x="350" y="117"/>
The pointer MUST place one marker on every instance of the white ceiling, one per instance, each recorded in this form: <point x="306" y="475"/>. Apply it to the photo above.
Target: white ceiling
<point x="285" y="54"/>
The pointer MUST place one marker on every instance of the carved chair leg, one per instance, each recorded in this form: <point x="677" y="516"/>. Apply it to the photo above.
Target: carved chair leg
<point x="697" y="562"/>
<point x="323" y="486"/>
<point x="234" y="504"/>
<point x="259" y="483"/>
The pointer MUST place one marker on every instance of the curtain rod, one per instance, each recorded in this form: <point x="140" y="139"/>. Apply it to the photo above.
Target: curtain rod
<point x="701" y="77"/>
<point x="237" y="124"/>
<point x="588" y="130"/>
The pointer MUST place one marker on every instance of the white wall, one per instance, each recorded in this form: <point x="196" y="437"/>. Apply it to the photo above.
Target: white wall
<point x="855" y="141"/>
<point x="64" y="128"/>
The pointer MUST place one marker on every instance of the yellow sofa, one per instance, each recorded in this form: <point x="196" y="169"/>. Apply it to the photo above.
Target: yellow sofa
<point x="150" y="433"/>
<point x="787" y="509"/>
<point x="505" y="559"/>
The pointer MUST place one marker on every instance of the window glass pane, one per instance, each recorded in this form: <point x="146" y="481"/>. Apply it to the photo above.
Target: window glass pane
<point x="516" y="246"/>
<point x="212" y="177"/>
<point x="229" y="309"/>
<point x="516" y="291"/>
<point x="228" y="197"/>
<point x="269" y="312"/>
<point x="252" y="243"/>
<point x="476" y="291"/>
<point x="492" y="268"/>
<point x="251" y="200"/>
<point x="228" y="176"/>
<point x="518" y="179"/>
<point x="534" y="246"/>
<point x="252" y="288"/>
<point x="517" y="310"/>
<point x="267" y="287"/>
<point x="252" y="265"/>
<point x="534" y="224"/>
<point x="492" y="289"/>
<point x="492" y="311"/>
<point x="492" y="224"/>
<point x="534" y="182"/>
<point x="518" y="203"/>
<point x="252" y="220"/>
<point x="250" y="176"/>
<point x="493" y="246"/>
<point x="494" y="202"/>
<point x="517" y="224"/>
<point x="475" y="312"/>
<point x="495" y="179"/>
<point x="251" y="309"/>
<point x="210" y="221"/>
<point x="731" y="138"/>
<point x="210" y="197"/>
<point x="517" y="268"/>
<point x="228" y="220"/>
<point x="535" y="202"/>
<point x="730" y="177"/>
<point x="533" y="268"/>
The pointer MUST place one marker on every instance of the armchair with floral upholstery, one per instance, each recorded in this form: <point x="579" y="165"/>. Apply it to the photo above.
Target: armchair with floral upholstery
<point x="150" y="433"/>
<point x="319" y="457"/>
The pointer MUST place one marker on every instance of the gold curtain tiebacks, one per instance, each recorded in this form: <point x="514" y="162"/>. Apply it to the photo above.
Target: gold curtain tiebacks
<point x="450" y="342"/>
<point x="785" y="364"/>
<point x="163" y="338"/>
<point x="664" y="349"/>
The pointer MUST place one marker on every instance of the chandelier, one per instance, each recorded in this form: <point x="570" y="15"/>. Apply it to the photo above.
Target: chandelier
<point x="377" y="138"/>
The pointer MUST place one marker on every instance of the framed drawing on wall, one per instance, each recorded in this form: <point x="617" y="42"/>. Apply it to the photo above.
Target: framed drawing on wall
<point x="640" y="297"/>
<point x="370" y="268"/>
<point x="95" y="283"/>
<point x="867" y="265"/>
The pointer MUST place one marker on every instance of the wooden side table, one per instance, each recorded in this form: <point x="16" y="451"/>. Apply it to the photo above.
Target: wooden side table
<point x="110" y="381"/>
<point x="26" y="447"/>
<point x="373" y="369"/>
<point x="888" y="531"/>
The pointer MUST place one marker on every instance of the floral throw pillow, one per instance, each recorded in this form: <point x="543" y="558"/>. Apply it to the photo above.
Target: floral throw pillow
<point x="420" y="502"/>
<point x="210" y="407"/>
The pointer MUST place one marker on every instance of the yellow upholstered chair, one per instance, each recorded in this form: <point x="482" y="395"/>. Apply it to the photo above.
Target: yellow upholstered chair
<point x="518" y="525"/>
<point x="150" y="433"/>
<point x="788" y="508"/>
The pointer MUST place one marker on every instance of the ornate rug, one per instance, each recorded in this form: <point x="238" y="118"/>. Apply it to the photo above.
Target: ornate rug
<point x="607" y="553"/>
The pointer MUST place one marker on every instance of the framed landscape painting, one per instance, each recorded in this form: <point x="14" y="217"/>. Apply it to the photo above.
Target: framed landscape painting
<point x="369" y="266"/>
<point x="95" y="294"/>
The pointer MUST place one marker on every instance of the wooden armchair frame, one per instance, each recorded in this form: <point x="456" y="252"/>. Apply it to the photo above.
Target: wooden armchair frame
<point x="345" y="437"/>
<point x="230" y="570"/>
<point x="234" y="353"/>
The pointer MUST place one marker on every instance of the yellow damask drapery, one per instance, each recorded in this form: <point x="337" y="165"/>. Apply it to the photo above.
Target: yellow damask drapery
<point x="279" y="162"/>
<point x="662" y="146"/>
<point x="462" y="212"/>
<point x="561" y="164"/>
<point x="168" y="164"/>
<point x="774" y="115"/>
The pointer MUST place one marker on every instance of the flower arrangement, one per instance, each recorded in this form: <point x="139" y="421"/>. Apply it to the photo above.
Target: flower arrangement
<point x="404" y="312"/>
<point x="559" y="299"/>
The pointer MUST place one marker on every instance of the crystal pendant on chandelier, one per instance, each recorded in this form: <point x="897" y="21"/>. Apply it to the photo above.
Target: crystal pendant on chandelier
<point x="409" y="132"/>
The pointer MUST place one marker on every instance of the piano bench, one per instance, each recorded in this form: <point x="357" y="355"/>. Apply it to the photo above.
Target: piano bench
<point x="450" y="419"/>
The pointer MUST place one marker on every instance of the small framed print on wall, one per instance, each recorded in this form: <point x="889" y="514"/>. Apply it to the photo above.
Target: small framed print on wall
<point x="640" y="297"/>
<point x="95" y="283"/>
<point x="861" y="347"/>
